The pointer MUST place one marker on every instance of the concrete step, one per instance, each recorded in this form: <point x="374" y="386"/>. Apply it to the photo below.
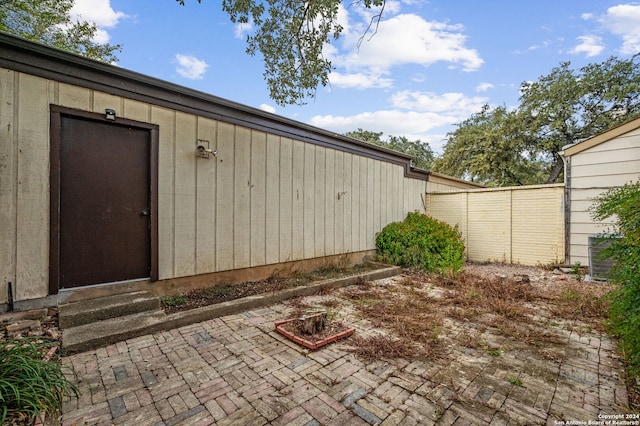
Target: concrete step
<point x="89" y="311"/>
<point x="123" y="324"/>
<point x="102" y="333"/>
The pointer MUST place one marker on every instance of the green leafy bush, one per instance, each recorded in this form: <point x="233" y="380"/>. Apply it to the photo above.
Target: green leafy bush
<point x="31" y="386"/>
<point x="623" y="204"/>
<point x="421" y="242"/>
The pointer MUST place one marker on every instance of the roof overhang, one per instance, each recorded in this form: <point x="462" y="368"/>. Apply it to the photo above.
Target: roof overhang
<point x="36" y="59"/>
<point x="617" y="131"/>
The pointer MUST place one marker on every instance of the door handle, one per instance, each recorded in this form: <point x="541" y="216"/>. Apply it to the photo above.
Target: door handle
<point x="145" y="212"/>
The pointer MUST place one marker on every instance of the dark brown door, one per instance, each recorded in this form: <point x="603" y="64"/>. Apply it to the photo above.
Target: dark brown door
<point x="105" y="202"/>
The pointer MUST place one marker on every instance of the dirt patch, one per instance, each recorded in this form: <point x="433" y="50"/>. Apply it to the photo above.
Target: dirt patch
<point x="225" y="292"/>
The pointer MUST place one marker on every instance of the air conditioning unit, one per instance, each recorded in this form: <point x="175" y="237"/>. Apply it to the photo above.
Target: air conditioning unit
<point x="599" y="265"/>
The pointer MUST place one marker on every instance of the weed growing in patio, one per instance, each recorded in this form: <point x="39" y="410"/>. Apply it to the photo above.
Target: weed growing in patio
<point x="515" y="381"/>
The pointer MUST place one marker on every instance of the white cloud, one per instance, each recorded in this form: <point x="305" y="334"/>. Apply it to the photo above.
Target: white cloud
<point x="624" y="21"/>
<point x="590" y="45"/>
<point x="359" y="80"/>
<point x="190" y="67"/>
<point x="101" y="13"/>
<point x="483" y="87"/>
<point x="406" y="39"/>
<point x="241" y="29"/>
<point x="544" y="44"/>
<point x="267" y="108"/>
<point x="392" y="121"/>
<point x="451" y="104"/>
<point x="411" y="114"/>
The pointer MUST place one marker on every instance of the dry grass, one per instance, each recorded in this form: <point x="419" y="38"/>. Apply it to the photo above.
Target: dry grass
<point x="413" y="310"/>
<point x="404" y="310"/>
<point x="379" y="347"/>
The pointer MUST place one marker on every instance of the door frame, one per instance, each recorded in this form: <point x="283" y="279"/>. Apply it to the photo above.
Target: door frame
<point x="55" y="114"/>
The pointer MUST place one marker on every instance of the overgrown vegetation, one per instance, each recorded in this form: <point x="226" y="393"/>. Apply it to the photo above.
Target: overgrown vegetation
<point x="413" y="315"/>
<point x="406" y="311"/>
<point x="30" y="385"/>
<point x="421" y="242"/>
<point x="623" y="204"/>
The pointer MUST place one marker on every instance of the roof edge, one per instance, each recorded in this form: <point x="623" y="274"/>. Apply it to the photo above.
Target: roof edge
<point x="610" y="134"/>
<point x="33" y="58"/>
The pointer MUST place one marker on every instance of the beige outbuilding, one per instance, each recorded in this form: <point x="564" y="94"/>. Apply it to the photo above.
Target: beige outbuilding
<point x="112" y="181"/>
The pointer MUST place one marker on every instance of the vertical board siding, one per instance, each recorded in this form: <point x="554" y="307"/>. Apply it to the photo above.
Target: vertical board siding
<point x="74" y="97"/>
<point x="241" y="204"/>
<point x="286" y="199"/>
<point x="272" y="201"/>
<point x="264" y="199"/>
<point x="377" y="192"/>
<point x="32" y="198"/>
<point x="364" y="194"/>
<point x="340" y="196"/>
<point x="382" y="190"/>
<point x="347" y="202"/>
<point x="8" y="179"/>
<point x="297" y="195"/>
<point x="309" y="212"/>
<point x="166" y="191"/>
<point x="258" y="188"/>
<point x="103" y="101"/>
<point x="224" y="197"/>
<point x="355" y="203"/>
<point x="371" y="197"/>
<point x="330" y="203"/>
<point x="206" y="200"/>
<point x="135" y="110"/>
<point x="516" y="225"/>
<point x="185" y="195"/>
<point x="320" y="174"/>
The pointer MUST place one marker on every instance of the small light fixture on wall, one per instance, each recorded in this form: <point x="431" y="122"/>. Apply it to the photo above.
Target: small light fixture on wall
<point x="110" y="114"/>
<point x="203" y="150"/>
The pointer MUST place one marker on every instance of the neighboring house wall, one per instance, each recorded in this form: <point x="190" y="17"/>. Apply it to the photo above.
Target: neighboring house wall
<point x="609" y="160"/>
<point x="514" y="225"/>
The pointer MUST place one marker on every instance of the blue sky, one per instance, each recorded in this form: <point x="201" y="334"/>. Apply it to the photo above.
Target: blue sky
<point x="431" y="64"/>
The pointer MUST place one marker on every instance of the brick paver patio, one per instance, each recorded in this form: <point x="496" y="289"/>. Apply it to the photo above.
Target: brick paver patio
<point x="236" y="370"/>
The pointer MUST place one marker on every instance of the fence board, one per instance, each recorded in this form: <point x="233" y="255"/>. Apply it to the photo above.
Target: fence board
<point x="516" y="225"/>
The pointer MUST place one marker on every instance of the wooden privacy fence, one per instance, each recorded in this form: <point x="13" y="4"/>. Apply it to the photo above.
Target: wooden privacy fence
<point x="513" y="225"/>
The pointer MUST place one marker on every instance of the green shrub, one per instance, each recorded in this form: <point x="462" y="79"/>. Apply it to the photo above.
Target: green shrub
<point x="623" y="204"/>
<point x="30" y="385"/>
<point x="421" y="242"/>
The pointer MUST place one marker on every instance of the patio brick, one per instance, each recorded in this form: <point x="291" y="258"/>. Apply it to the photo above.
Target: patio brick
<point x="237" y="370"/>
